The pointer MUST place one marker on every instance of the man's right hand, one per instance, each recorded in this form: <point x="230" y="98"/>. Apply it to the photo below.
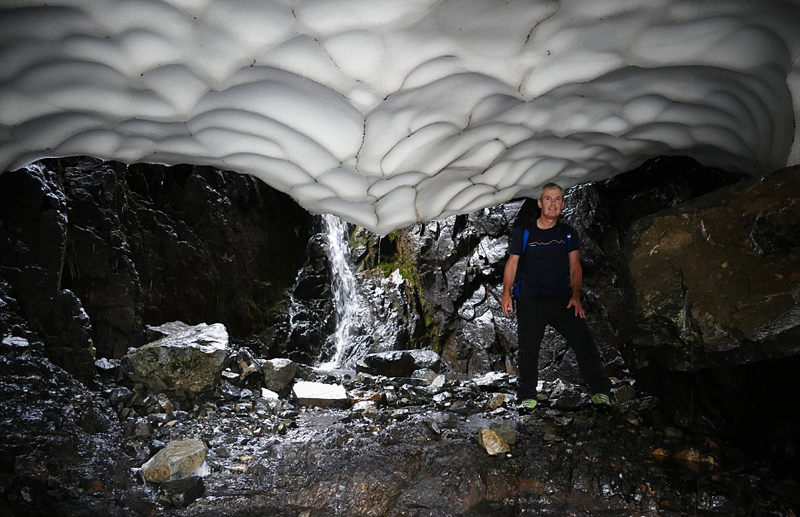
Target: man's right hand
<point x="507" y="303"/>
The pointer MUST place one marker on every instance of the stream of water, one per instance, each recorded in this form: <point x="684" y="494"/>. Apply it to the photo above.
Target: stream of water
<point x="354" y="319"/>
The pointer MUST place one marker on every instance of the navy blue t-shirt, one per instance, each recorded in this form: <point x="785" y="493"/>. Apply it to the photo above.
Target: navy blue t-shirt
<point x="544" y="265"/>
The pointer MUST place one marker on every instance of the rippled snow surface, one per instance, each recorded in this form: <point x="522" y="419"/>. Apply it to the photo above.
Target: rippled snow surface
<point x="390" y="112"/>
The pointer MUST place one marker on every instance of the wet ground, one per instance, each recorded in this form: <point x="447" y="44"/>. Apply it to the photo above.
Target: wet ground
<point x="416" y="452"/>
<point x="401" y="447"/>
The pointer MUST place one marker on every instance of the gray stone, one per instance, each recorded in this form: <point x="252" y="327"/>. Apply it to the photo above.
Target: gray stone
<point x="624" y="393"/>
<point x="508" y="434"/>
<point x="190" y="361"/>
<point x="182" y="492"/>
<point x="278" y="373"/>
<point x="492" y="381"/>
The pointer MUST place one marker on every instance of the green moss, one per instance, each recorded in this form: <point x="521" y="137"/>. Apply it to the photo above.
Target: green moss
<point x="395" y="252"/>
<point x="257" y="315"/>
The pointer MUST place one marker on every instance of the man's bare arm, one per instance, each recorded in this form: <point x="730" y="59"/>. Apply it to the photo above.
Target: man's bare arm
<point x="575" y="281"/>
<point x="509" y="275"/>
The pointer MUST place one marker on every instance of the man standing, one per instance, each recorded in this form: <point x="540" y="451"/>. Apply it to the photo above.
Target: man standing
<point x="547" y="255"/>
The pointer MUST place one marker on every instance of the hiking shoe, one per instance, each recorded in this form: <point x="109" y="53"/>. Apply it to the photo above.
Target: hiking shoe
<point x="601" y="399"/>
<point x="527" y="405"/>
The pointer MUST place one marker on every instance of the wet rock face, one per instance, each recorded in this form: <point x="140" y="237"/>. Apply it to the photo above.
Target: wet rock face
<point x="301" y="330"/>
<point x="452" y="269"/>
<point x="142" y="245"/>
<point x="214" y="246"/>
<point x="33" y="244"/>
<point x="455" y="271"/>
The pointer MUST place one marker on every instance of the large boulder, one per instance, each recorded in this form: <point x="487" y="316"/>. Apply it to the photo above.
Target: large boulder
<point x="715" y="280"/>
<point x="189" y="361"/>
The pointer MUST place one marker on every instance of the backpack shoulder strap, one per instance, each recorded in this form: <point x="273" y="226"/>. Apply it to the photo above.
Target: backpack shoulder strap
<point x="521" y="267"/>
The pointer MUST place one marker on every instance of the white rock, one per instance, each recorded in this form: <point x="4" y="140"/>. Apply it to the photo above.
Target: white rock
<point x="319" y="394"/>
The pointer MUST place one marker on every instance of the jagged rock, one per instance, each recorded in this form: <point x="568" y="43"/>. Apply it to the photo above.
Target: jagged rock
<point x="505" y="432"/>
<point x="120" y="397"/>
<point x="399" y="363"/>
<point x="154" y="333"/>
<point x="247" y="363"/>
<point x="427" y="375"/>
<point x="178" y="460"/>
<point x="624" y="393"/>
<point x="302" y="335"/>
<point x="34" y="228"/>
<point x="190" y="361"/>
<point x="497" y="400"/>
<point x="319" y="394"/>
<point x="492" y="442"/>
<point x="269" y="402"/>
<point x="278" y="373"/>
<point x="229" y="391"/>
<point x="492" y="381"/>
<point x="181" y="492"/>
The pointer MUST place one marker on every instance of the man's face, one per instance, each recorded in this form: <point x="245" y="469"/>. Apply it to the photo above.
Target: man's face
<point x="551" y="202"/>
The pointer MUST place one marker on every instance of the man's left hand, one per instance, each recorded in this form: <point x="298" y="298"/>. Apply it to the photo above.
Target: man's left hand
<point x="575" y="302"/>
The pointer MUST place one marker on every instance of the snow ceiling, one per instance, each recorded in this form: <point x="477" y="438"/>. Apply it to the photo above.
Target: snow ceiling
<point x="388" y="112"/>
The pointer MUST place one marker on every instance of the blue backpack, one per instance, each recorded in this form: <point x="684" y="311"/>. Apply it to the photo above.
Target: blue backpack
<point x="520" y="266"/>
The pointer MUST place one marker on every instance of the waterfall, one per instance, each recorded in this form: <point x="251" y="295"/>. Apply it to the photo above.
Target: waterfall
<point x="353" y="335"/>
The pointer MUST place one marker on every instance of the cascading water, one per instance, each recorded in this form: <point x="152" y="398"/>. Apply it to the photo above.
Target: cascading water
<point x="353" y="336"/>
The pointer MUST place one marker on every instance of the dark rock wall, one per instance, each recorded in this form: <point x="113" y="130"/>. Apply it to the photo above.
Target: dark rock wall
<point x="95" y="251"/>
<point x="33" y="241"/>
<point x="60" y="439"/>
<point x="714" y="320"/>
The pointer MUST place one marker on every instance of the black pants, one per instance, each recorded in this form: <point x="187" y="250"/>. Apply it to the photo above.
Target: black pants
<point x="532" y="318"/>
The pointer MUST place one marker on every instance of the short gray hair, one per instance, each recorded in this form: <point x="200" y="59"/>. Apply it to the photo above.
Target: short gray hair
<point x="548" y="186"/>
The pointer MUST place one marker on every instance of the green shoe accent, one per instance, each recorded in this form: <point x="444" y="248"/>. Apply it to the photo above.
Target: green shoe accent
<point x="601" y="399"/>
<point x="527" y="405"/>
